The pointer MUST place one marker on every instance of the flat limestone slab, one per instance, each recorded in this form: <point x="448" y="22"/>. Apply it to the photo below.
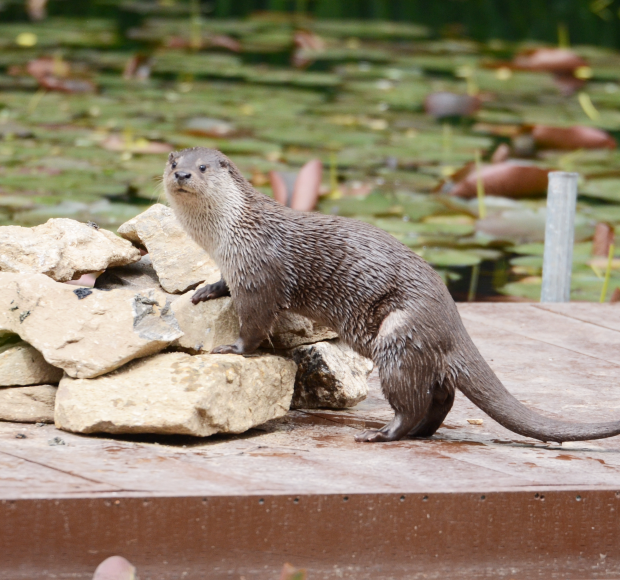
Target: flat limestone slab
<point x="175" y="393"/>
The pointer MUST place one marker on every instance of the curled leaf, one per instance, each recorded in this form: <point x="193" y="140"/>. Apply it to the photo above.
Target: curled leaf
<point x="553" y="60"/>
<point x="507" y="179"/>
<point x="298" y="190"/>
<point x="571" y="138"/>
<point x="307" y="184"/>
<point x="603" y="238"/>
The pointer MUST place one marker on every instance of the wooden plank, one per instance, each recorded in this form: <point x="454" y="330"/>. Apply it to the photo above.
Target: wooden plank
<point x="542" y="325"/>
<point x="18" y="476"/>
<point x="605" y="315"/>
<point x="313" y="452"/>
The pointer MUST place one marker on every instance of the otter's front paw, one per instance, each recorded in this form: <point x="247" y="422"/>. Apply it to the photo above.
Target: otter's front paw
<point x="227" y="349"/>
<point x="210" y="292"/>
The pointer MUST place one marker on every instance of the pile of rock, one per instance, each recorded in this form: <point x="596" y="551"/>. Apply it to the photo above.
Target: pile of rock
<point x="131" y="354"/>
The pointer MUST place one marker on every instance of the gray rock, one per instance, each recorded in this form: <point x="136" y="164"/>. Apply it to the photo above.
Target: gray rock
<point x="291" y="330"/>
<point x="137" y="276"/>
<point x="86" y="332"/>
<point x="22" y="364"/>
<point x="175" y="393"/>
<point x="28" y="404"/>
<point x="62" y="249"/>
<point x="329" y="375"/>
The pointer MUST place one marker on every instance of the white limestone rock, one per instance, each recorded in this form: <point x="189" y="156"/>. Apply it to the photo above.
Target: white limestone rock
<point x="215" y="322"/>
<point x="205" y="325"/>
<point x="330" y="375"/>
<point x="86" y="332"/>
<point x="21" y="364"/>
<point x="62" y="249"/>
<point x="179" y="262"/>
<point x="28" y="404"/>
<point x="176" y="393"/>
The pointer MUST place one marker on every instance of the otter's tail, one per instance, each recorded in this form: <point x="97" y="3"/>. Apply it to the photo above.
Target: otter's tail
<point x="482" y="387"/>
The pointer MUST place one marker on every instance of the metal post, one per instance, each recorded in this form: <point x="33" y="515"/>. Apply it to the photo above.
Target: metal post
<point x="559" y="236"/>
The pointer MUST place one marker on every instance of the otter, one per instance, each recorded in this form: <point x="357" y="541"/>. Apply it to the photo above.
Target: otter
<point x="384" y="300"/>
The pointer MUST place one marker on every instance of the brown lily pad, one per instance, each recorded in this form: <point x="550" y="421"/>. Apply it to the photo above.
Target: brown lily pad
<point x="553" y="60"/>
<point x="507" y="179"/>
<point x="571" y="138"/>
<point x="603" y="238"/>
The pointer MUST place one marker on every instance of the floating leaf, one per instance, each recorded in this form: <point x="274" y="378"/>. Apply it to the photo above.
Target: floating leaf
<point x="503" y="179"/>
<point x="118" y="143"/>
<point x="444" y="258"/>
<point x="607" y="189"/>
<point x="207" y="127"/>
<point x="554" y="60"/>
<point x="444" y="104"/>
<point x="572" y="138"/>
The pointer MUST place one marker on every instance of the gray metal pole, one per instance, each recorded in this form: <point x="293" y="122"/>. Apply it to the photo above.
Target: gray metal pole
<point x="559" y="236"/>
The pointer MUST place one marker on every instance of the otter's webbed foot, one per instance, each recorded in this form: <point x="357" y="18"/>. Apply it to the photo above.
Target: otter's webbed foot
<point x="396" y="429"/>
<point x="372" y="436"/>
<point x="210" y="292"/>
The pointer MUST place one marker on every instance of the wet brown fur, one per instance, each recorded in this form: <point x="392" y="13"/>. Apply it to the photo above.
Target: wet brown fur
<point x="384" y="300"/>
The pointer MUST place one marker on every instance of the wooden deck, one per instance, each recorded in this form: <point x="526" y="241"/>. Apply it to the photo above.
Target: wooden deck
<point x="475" y="501"/>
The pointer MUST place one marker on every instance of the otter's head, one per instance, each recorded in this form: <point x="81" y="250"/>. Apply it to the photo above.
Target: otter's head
<point x="196" y="175"/>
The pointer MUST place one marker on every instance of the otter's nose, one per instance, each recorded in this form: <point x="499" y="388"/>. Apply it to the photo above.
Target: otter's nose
<point x="182" y="175"/>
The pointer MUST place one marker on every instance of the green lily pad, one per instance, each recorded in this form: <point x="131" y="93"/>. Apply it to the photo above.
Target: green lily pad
<point x="446" y="258"/>
<point x="373" y="204"/>
<point x="607" y="189"/>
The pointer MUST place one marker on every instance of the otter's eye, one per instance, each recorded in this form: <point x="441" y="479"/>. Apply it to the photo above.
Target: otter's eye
<point x="203" y="168"/>
<point x="174" y="164"/>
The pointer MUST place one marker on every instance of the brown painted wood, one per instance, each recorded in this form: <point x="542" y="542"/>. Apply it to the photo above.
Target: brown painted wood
<point x="163" y="502"/>
<point x="520" y="535"/>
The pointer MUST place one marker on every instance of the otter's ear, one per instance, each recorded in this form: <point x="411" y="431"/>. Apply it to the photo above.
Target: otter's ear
<point x="171" y="156"/>
<point x="224" y="163"/>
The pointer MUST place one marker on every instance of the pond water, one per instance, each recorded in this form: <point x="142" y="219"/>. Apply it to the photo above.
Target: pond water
<point x="354" y="100"/>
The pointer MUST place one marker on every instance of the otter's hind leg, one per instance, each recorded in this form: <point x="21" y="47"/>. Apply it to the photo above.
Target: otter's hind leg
<point x="443" y="399"/>
<point x="407" y="390"/>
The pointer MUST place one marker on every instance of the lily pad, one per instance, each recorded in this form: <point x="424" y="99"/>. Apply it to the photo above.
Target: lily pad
<point x="445" y="258"/>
